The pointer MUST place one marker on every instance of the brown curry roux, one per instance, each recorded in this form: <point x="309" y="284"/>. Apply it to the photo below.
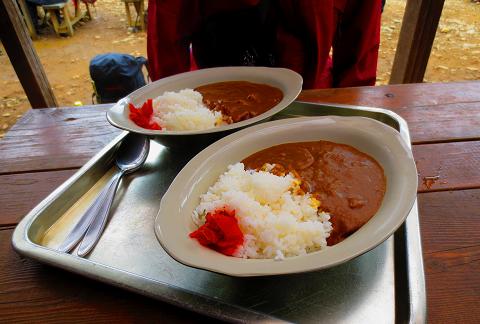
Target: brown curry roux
<point x="240" y="100"/>
<point x="349" y="184"/>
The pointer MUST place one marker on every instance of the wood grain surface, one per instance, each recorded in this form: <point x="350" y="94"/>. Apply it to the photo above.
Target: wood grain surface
<point x="448" y="166"/>
<point x="453" y="228"/>
<point x="55" y="138"/>
<point x="398" y="96"/>
<point x="48" y="145"/>
<point x="451" y="250"/>
<point x="443" y="123"/>
<point x="22" y="192"/>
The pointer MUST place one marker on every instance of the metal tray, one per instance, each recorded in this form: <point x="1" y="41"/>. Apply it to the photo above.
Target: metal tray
<point x="384" y="285"/>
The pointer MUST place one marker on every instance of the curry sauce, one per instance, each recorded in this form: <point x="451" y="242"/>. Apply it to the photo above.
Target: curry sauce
<point x="240" y="100"/>
<point x="349" y="184"/>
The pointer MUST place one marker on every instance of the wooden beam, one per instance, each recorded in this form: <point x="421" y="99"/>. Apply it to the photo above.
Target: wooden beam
<point x="419" y="26"/>
<point x="22" y="54"/>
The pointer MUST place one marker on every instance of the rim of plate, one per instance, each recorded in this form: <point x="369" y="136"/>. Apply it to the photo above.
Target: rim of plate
<point x="289" y="81"/>
<point x="196" y="169"/>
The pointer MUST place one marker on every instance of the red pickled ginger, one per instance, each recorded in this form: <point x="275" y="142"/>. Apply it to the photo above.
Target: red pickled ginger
<point x="220" y="232"/>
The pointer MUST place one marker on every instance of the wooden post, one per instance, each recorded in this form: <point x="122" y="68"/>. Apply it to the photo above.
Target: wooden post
<point x="19" y="47"/>
<point x="419" y="26"/>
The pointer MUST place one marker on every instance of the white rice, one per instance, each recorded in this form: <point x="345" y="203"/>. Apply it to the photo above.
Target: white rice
<point x="277" y="220"/>
<point x="184" y="110"/>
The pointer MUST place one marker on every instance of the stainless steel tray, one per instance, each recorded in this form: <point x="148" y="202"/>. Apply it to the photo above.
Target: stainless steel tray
<point x="384" y="285"/>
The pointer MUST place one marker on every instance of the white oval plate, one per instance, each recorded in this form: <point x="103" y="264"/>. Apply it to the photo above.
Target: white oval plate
<point x="174" y="222"/>
<point x="286" y="80"/>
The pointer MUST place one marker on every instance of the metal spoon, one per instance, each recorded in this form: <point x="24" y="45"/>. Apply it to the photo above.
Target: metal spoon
<point x="131" y="155"/>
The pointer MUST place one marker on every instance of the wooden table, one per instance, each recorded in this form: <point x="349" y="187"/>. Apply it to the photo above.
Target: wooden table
<point x="47" y="146"/>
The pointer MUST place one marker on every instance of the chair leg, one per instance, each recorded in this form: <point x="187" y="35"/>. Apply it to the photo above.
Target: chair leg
<point x="67" y="22"/>
<point x="142" y="15"/>
<point x="139" y="9"/>
<point x="89" y="14"/>
<point x="77" y="10"/>
<point x="53" y="18"/>
<point x="129" y="16"/>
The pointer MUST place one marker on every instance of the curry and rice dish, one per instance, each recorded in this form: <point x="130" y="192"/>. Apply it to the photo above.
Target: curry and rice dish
<point x="290" y="200"/>
<point x="206" y="106"/>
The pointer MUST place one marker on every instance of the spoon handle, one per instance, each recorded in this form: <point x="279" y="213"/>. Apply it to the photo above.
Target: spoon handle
<point x="98" y="224"/>
<point x="81" y="227"/>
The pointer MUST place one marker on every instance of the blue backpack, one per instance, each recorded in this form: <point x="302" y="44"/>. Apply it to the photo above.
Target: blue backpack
<point x="116" y="75"/>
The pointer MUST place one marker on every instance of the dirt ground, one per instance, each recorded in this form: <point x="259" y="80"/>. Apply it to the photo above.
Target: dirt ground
<point x="455" y="55"/>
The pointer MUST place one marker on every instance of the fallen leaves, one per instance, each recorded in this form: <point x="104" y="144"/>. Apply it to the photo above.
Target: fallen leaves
<point x="469" y="45"/>
<point x="11" y="102"/>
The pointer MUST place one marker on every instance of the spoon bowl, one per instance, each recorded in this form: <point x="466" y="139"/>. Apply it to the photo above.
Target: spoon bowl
<point x="132" y="152"/>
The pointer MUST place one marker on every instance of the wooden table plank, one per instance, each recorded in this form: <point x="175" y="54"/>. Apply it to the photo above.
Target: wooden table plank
<point x="443" y="123"/>
<point x="449" y="220"/>
<point x="19" y="193"/>
<point x="401" y="95"/>
<point x="453" y="295"/>
<point x="448" y="166"/>
<point x="32" y="292"/>
<point x="55" y="138"/>
<point x="450" y="227"/>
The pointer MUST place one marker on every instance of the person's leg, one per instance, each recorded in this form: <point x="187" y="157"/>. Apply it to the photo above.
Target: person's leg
<point x="355" y="47"/>
<point x="169" y="25"/>
<point x="304" y="40"/>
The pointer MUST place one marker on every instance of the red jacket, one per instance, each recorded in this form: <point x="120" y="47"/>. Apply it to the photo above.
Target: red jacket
<point x="350" y="28"/>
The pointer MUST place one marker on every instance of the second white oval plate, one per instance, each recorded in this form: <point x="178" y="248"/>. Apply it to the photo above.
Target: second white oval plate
<point x="174" y="221"/>
<point x="286" y="80"/>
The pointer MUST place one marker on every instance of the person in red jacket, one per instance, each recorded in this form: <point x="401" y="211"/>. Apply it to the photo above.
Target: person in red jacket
<point x="331" y="43"/>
